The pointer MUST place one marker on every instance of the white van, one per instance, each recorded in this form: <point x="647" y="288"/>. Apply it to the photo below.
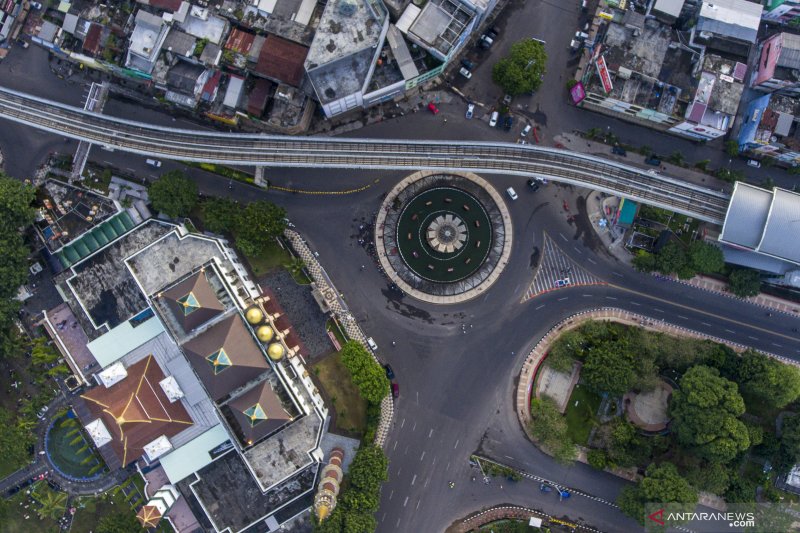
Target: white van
<point x="372" y="345"/>
<point x="512" y="193"/>
<point x="493" y="119"/>
<point x="154" y="163"/>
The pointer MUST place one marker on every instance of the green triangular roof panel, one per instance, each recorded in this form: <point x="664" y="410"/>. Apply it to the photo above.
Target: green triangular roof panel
<point x="256" y="414"/>
<point x="219" y="361"/>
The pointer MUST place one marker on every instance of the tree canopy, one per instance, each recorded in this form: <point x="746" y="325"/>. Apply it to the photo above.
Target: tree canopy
<point x="744" y="282"/>
<point x="523" y="69"/>
<point x="705" y="414"/>
<point x="610" y="368"/>
<point x="768" y="379"/>
<point x="220" y="214"/>
<point x="367" y="374"/>
<point x="119" y="522"/>
<point x="789" y="448"/>
<point x="663" y="484"/>
<point x="259" y="224"/>
<point x="705" y="257"/>
<point x="173" y="194"/>
<point x="549" y="428"/>
<point x="16" y="199"/>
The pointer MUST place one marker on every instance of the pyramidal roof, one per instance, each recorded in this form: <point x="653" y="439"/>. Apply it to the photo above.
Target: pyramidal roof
<point x="258" y="412"/>
<point x="149" y="516"/>
<point x="136" y="411"/>
<point x="193" y="301"/>
<point x="225" y="357"/>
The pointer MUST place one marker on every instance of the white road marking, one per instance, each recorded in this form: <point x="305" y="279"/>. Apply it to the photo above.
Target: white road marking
<point x="415" y="426"/>
<point x="730" y="331"/>
<point x="383" y="518"/>
<point x="564" y="298"/>
<point x="538" y="307"/>
<point x="392" y="494"/>
<point x="399" y="470"/>
<point x="562" y="236"/>
<point x="447" y="467"/>
<point x="426" y="483"/>
<point x="776" y="344"/>
<point x="434" y="461"/>
<point x="509" y="457"/>
<point x="706" y="324"/>
<point x="751" y="337"/>
<point x="577" y="249"/>
<point x="636" y="303"/>
<point x="430" y="433"/>
<point x="456" y="446"/>
<point x="658" y="310"/>
<point x="683" y="317"/>
<point x="586" y="295"/>
<point x="403" y="423"/>
<point x="405" y="502"/>
<point x="421" y="457"/>
<point x="617" y="274"/>
<point x="418" y="501"/>
<point x="610" y="298"/>
<point x="413" y="479"/>
<point x="395" y="446"/>
<point x="592" y="261"/>
<point x="398" y="523"/>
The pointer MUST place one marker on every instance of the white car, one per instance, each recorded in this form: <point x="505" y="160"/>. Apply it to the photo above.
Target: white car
<point x="153" y="163"/>
<point x="512" y="193"/>
<point x="753" y="163"/>
<point x="526" y="131"/>
<point x="372" y="345"/>
<point x="464" y="72"/>
<point x="493" y="119"/>
<point x="470" y="111"/>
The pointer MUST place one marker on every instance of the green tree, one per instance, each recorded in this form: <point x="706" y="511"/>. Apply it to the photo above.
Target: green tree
<point x="744" y="282"/>
<point x="672" y="258"/>
<point x="661" y="484"/>
<point x="220" y="215"/>
<point x="369" y="469"/>
<point x="732" y="148"/>
<point x="597" y="459"/>
<point x="644" y="261"/>
<point x="119" y="522"/>
<point x="360" y="501"/>
<point x="359" y="523"/>
<point x="768" y="379"/>
<point x="711" y="477"/>
<point x="173" y="194"/>
<point x="549" y="429"/>
<point x="705" y="413"/>
<point x="16" y="199"/>
<point x="367" y="374"/>
<point x="295" y="266"/>
<point x="567" y="347"/>
<point x="789" y="448"/>
<point x="42" y="353"/>
<point x="259" y="224"/>
<point x="705" y="257"/>
<point x="523" y="69"/>
<point x="14" y="441"/>
<point x="610" y="368"/>
<point x="52" y="504"/>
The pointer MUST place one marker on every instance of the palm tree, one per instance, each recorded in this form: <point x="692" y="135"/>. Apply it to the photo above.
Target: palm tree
<point x="295" y="267"/>
<point x="52" y="504"/>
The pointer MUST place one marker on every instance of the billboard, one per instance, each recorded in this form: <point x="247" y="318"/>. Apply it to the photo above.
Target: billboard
<point x="605" y="76"/>
<point x="578" y="93"/>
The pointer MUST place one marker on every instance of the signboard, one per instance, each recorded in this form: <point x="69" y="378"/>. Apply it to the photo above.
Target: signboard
<point x="578" y="93"/>
<point x="605" y="76"/>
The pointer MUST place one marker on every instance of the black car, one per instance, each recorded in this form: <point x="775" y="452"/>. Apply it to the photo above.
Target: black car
<point x="508" y="122"/>
<point x="389" y="372"/>
<point x="493" y="32"/>
<point x="619" y="150"/>
<point x="533" y="184"/>
<point x="467" y="64"/>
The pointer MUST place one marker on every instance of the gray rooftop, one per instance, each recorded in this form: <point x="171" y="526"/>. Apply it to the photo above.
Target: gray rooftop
<point x="756" y="261"/>
<point x="441" y="23"/>
<point x="669" y="7"/>
<point x="790" y="51"/>
<point x="180" y="43"/>
<point x="738" y="19"/>
<point x="231" y="497"/>
<point x="783" y="226"/>
<point x="343" y="77"/>
<point x="401" y="53"/>
<point x="347" y="27"/>
<point x="746" y="215"/>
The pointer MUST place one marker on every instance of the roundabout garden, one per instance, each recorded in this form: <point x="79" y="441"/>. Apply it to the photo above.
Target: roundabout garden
<point x="69" y="450"/>
<point x="443" y="238"/>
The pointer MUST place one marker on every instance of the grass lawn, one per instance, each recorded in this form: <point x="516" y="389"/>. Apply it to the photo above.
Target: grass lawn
<point x="91" y="508"/>
<point x="351" y="410"/>
<point x="330" y="325"/>
<point x="580" y="416"/>
<point x="14" y="521"/>
<point x="273" y="257"/>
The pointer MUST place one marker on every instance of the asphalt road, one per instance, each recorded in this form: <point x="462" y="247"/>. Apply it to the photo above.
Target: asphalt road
<point x="456" y="389"/>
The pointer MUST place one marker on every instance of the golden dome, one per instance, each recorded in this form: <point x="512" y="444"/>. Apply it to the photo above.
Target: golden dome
<point x="264" y="333"/>
<point x="322" y="512"/>
<point x="254" y="315"/>
<point x="275" y="351"/>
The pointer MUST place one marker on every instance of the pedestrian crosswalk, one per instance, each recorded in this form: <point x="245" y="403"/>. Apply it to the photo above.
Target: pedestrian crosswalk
<point x="556" y="271"/>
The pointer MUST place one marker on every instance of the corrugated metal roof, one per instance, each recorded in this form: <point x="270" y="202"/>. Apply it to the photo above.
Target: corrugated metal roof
<point x="790" y="51"/>
<point x="783" y="226"/>
<point x="122" y="339"/>
<point x="732" y="18"/>
<point x="669" y="7"/>
<point x="784" y="124"/>
<point x="747" y="214"/>
<point x="194" y="455"/>
<point x="756" y="260"/>
<point x="408" y="17"/>
<point x="401" y="53"/>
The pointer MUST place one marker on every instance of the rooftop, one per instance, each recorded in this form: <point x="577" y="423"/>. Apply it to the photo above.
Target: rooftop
<point x="259" y="411"/>
<point x="441" y="24"/>
<point x="347" y="27"/>
<point x="194" y="300"/>
<point x="738" y="19"/>
<point x="147" y="35"/>
<point x="135" y="410"/>
<point x="104" y="285"/>
<point x="232" y="498"/>
<point x="180" y="43"/>
<point x="281" y="60"/>
<point x="204" y="26"/>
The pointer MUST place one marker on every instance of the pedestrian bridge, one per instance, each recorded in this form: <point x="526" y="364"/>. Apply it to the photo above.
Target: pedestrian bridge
<point x="582" y="170"/>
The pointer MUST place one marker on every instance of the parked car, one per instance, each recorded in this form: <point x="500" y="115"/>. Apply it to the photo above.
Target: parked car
<point x="372" y="345"/>
<point x="395" y="391"/>
<point x="507" y="99"/>
<point x="389" y="372"/>
<point x="466" y="63"/>
<point x="465" y="72"/>
<point x="512" y="193"/>
<point x="470" y="111"/>
<point x="653" y="160"/>
<point x="619" y="150"/>
<point x="485" y="42"/>
<point x="575" y="45"/>
<point x="526" y="130"/>
<point x="508" y="122"/>
<point x="493" y="119"/>
<point x="153" y="163"/>
<point x="433" y="109"/>
<point x="753" y="163"/>
<point x="493" y="32"/>
<point x="580" y="36"/>
<point x="36" y="5"/>
<point x="533" y="184"/>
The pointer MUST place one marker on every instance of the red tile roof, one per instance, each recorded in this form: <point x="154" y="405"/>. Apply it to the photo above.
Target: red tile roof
<point x="91" y="44"/>
<point x="240" y="41"/>
<point x="257" y="100"/>
<point x="166" y="5"/>
<point x="282" y="60"/>
<point x="136" y="411"/>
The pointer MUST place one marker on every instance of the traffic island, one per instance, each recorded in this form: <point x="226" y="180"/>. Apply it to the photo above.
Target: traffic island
<point x="443" y="238"/>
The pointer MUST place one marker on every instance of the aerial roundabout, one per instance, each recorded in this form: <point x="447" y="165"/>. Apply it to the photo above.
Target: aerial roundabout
<point x="443" y="237"/>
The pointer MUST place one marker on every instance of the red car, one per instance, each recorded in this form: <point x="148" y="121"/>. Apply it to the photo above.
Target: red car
<point x="395" y="390"/>
<point x="433" y="108"/>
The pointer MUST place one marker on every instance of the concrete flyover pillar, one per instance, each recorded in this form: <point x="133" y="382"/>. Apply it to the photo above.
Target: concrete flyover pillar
<point x="259" y="177"/>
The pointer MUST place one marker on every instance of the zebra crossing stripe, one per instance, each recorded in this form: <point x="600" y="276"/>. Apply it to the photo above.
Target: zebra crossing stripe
<point x="555" y="267"/>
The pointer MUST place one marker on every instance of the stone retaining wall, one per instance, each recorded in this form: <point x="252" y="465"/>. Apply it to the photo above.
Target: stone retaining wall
<point x="345" y="319"/>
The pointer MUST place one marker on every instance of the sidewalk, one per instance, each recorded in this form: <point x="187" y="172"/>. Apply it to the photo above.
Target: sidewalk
<point x="763" y="300"/>
<point x="615" y="244"/>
